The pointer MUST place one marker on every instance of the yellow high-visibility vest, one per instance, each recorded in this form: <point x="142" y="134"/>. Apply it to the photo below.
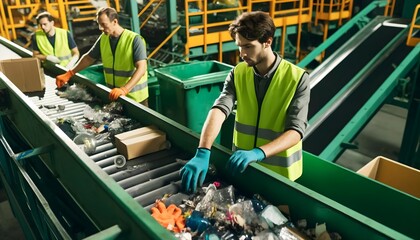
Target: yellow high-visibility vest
<point x="118" y="69"/>
<point x="256" y="126"/>
<point x="61" y="46"/>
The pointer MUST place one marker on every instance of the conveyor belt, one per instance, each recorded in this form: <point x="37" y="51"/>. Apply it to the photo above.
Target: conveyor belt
<point x="115" y="212"/>
<point x="345" y="67"/>
<point x="145" y="178"/>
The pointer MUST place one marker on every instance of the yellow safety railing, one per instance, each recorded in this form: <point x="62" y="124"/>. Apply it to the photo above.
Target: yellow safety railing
<point x="86" y="9"/>
<point x="414" y="27"/>
<point x="389" y="8"/>
<point x="16" y="14"/>
<point x="201" y="27"/>
<point x="332" y="10"/>
<point x="149" y="4"/>
<point x="287" y="13"/>
<point x="202" y="31"/>
<point x="2" y="29"/>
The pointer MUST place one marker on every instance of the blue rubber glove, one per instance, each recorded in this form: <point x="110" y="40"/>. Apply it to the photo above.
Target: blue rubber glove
<point x="241" y="159"/>
<point x="194" y="172"/>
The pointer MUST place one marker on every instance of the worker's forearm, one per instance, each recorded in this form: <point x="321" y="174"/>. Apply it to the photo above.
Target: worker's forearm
<point x="141" y="67"/>
<point x="84" y="62"/>
<point x="281" y="143"/>
<point x="211" y="128"/>
<point x="138" y="74"/>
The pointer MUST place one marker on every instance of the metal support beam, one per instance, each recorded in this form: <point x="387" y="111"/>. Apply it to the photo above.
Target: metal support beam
<point x="132" y="11"/>
<point x="410" y="146"/>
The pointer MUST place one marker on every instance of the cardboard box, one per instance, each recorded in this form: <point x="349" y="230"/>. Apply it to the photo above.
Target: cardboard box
<point x="133" y="133"/>
<point x="140" y="142"/>
<point x="25" y="73"/>
<point x="394" y="174"/>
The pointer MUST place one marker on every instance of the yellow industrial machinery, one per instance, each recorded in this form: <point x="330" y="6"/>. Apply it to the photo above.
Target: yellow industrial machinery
<point x="201" y="27"/>
<point x="207" y="24"/>
<point x="329" y="10"/>
<point x="15" y="15"/>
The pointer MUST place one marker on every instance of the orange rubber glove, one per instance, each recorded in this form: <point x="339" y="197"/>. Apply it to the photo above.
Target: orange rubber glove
<point x="116" y="92"/>
<point x="170" y="218"/>
<point x="62" y="79"/>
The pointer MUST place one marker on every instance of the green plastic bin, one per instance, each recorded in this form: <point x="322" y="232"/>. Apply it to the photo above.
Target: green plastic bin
<point x="94" y="73"/>
<point x="154" y="94"/>
<point x="189" y="90"/>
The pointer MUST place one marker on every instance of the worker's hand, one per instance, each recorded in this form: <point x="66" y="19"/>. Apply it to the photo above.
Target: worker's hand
<point x="241" y="159"/>
<point x="62" y="79"/>
<point x="53" y="59"/>
<point x="170" y="218"/>
<point x="117" y="92"/>
<point x="194" y="172"/>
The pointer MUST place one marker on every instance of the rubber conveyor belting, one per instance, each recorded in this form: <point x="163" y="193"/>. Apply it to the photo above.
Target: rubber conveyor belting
<point x="340" y="75"/>
<point x="145" y="178"/>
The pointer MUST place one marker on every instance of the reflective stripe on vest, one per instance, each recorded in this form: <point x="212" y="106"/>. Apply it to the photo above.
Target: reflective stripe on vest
<point x="255" y="127"/>
<point x="119" y="69"/>
<point x="61" y="46"/>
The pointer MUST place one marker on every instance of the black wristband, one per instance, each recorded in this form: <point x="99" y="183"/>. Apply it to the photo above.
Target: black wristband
<point x="262" y="151"/>
<point x="209" y="149"/>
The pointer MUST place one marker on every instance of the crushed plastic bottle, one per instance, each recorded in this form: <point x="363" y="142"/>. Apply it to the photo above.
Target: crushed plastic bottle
<point x="86" y="142"/>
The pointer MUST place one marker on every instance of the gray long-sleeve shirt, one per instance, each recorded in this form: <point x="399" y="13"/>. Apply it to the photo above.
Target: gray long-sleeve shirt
<point x="297" y="112"/>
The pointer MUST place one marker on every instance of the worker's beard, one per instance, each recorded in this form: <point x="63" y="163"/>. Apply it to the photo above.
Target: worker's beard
<point x="252" y="63"/>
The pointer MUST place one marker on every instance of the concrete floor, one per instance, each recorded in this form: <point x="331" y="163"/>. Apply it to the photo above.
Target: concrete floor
<point x="381" y="137"/>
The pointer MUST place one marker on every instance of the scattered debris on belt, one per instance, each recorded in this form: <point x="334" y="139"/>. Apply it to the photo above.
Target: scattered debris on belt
<point x="218" y="211"/>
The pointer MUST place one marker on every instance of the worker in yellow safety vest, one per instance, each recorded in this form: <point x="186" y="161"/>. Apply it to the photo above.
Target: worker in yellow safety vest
<point x="54" y="44"/>
<point x="272" y="98"/>
<point x="123" y="54"/>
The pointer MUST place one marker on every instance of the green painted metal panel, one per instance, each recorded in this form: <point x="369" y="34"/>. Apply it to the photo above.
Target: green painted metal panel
<point x="410" y="152"/>
<point x="408" y="8"/>
<point x="391" y="207"/>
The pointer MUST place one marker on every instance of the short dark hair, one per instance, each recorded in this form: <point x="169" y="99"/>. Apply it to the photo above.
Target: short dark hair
<point x="44" y="15"/>
<point x="111" y="13"/>
<point x="255" y="25"/>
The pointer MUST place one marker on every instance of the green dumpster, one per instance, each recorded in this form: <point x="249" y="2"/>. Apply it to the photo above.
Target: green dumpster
<point x="188" y="90"/>
<point x="94" y="73"/>
<point x="154" y="93"/>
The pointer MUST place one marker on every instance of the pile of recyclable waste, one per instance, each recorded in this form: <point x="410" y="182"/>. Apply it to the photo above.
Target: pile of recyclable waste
<point x="219" y="211"/>
<point x="100" y="122"/>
